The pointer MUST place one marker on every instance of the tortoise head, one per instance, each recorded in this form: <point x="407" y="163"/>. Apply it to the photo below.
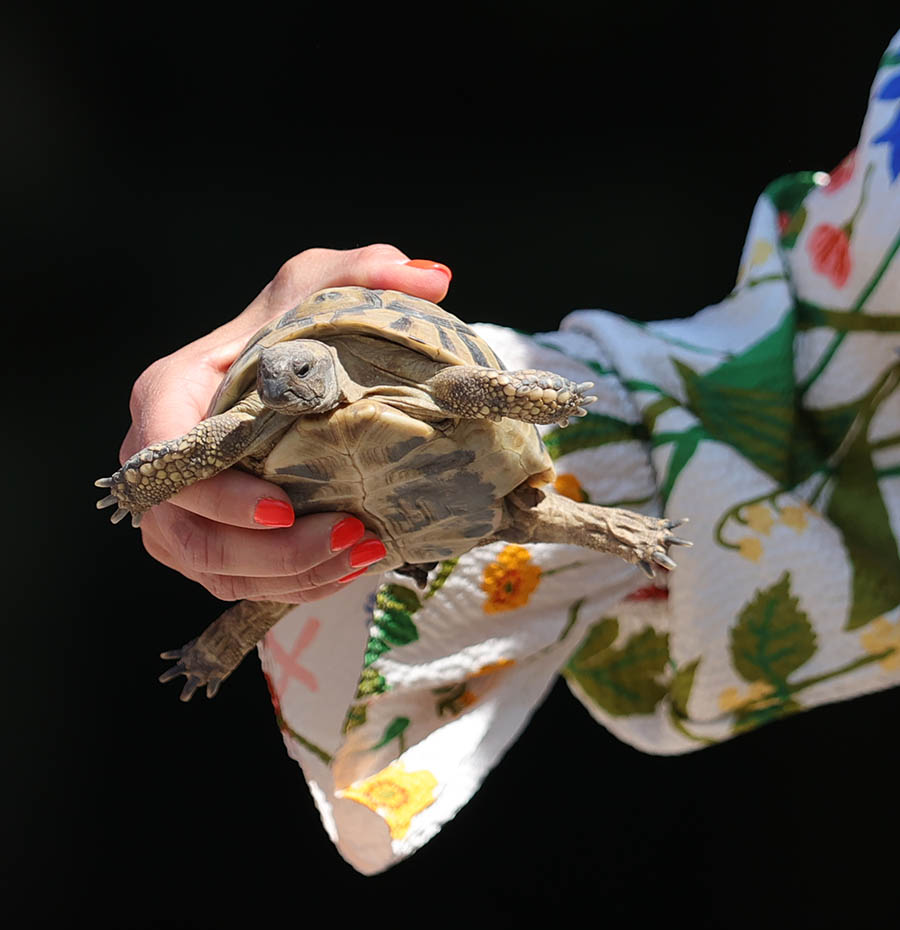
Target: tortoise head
<point x="300" y="376"/>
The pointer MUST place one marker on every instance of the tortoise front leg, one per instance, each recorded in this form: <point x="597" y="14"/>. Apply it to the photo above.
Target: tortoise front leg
<point x="534" y="516"/>
<point x="216" y="653"/>
<point x="528" y="394"/>
<point x="162" y="469"/>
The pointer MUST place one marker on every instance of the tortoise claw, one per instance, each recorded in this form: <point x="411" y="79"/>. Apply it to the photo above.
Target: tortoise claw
<point x="662" y="559"/>
<point x="647" y="568"/>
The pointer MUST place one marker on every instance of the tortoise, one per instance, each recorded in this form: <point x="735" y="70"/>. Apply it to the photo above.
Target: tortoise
<point x="390" y="408"/>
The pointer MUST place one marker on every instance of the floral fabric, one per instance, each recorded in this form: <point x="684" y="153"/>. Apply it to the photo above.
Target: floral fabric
<point x="771" y="419"/>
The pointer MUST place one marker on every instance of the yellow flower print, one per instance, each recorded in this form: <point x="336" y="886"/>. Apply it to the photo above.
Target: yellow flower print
<point x="794" y="517"/>
<point x="759" y="518"/>
<point x="762" y="249"/>
<point x="731" y="699"/>
<point x="750" y="548"/>
<point x="569" y="486"/>
<point x="510" y="581"/>
<point x="395" y="795"/>
<point x="880" y="635"/>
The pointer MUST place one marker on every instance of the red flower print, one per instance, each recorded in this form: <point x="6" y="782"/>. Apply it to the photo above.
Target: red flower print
<point x="649" y="593"/>
<point x="829" y="251"/>
<point x="841" y="175"/>
<point x="784" y="220"/>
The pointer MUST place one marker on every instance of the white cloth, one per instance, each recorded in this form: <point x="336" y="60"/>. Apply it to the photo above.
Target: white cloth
<point x="772" y="420"/>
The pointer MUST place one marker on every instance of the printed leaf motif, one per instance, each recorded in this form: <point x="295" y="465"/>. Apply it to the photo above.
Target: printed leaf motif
<point x="772" y="637"/>
<point x="789" y="192"/>
<point x="595" y="429"/>
<point x="395" y="606"/>
<point x="375" y="647"/>
<point x="748" y="400"/>
<point x="793" y="228"/>
<point x="857" y="508"/>
<point x="622" y="681"/>
<point x="392" y="731"/>
<point x="680" y="688"/>
<point x="685" y="446"/>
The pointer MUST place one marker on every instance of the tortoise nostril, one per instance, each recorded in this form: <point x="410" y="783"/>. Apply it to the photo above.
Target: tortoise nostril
<point x="302" y="370"/>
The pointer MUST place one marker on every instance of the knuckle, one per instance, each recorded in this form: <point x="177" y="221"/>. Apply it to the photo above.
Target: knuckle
<point x="224" y="587"/>
<point x="295" y="268"/>
<point x="379" y="253"/>
<point x="198" y="549"/>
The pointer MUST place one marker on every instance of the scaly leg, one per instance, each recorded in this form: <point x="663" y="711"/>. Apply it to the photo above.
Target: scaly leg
<point x="217" y="652"/>
<point x="530" y="395"/>
<point x="156" y="473"/>
<point x="535" y="517"/>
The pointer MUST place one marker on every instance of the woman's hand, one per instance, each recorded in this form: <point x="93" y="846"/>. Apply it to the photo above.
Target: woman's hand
<point x="235" y="533"/>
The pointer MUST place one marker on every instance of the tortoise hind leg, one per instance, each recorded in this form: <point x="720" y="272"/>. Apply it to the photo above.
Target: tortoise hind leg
<point x="528" y="394"/>
<point x="535" y="516"/>
<point x="216" y="653"/>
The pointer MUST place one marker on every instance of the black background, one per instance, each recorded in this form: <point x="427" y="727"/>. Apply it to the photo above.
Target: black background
<point x="159" y="166"/>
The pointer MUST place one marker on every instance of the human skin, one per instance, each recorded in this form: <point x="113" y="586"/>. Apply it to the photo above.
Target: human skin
<point x="236" y="534"/>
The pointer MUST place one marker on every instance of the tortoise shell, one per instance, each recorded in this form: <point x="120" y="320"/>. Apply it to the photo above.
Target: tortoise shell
<point x="392" y="315"/>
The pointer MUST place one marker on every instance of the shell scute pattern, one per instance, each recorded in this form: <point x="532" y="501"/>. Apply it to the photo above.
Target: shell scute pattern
<point x="390" y="315"/>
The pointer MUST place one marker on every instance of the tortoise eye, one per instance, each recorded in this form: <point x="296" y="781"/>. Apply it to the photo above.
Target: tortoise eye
<point x="301" y="369"/>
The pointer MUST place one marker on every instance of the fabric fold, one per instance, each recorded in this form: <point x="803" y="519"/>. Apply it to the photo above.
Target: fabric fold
<point x="771" y="419"/>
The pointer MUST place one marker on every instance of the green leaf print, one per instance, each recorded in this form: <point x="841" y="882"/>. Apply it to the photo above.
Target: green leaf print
<point x="789" y="191"/>
<point x="680" y="688"/>
<point x="394" y="730"/>
<point x="748" y="400"/>
<point x="621" y="681"/>
<point x="857" y="508"/>
<point x="595" y="429"/>
<point x="772" y="637"/>
<point x="793" y="228"/>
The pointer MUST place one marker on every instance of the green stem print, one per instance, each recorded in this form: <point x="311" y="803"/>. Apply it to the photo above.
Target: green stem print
<point x="857" y="307"/>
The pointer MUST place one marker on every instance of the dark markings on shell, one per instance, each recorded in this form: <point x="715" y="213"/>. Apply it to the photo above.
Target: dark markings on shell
<point x="477" y="355"/>
<point x="397" y="451"/>
<point x="401" y="324"/>
<point x="306" y="470"/>
<point x="444" y="491"/>
<point x="439" y="321"/>
<point x="446" y="341"/>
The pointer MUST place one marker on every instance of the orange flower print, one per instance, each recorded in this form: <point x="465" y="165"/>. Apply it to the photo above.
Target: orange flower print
<point x="510" y="581"/>
<point x="568" y="486"/>
<point x="829" y="252"/>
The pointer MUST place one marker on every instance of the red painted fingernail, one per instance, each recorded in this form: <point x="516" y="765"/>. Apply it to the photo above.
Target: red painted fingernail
<point x="345" y="533"/>
<point x="367" y="552"/>
<point x="270" y="512"/>
<point x="351" y="576"/>
<point x="430" y="266"/>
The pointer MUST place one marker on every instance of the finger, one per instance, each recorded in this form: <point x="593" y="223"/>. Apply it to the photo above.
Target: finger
<point x="348" y="564"/>
<point x="310" y="594"/>
<point x="375" y="266"/>
<point x="234" y="498"/>
<point x="207" y="547"/>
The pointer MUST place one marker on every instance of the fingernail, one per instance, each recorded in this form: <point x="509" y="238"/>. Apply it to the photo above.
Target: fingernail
<point x="270" y="512"/>
<point x="367" y="552"/>
<point x="430" y="266"/>
<point x="345" y="533"/>
<point x="351" y="576"/>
